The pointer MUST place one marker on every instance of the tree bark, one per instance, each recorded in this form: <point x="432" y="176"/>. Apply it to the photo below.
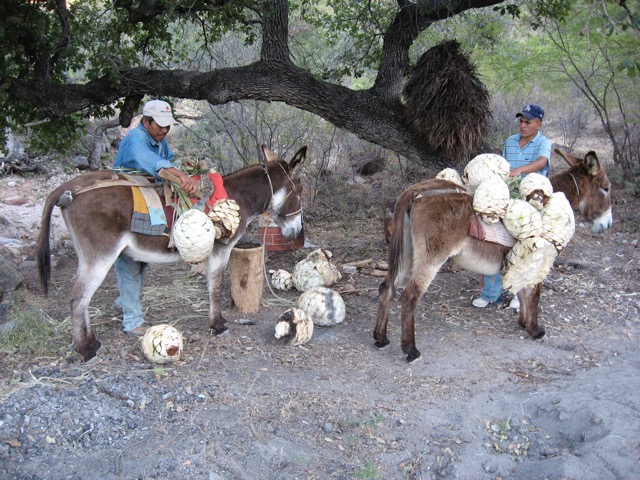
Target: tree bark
<point x="246" y="266"/>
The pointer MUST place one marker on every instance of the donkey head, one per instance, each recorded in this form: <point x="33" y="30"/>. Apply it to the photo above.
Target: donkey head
<point x="286" y="202"/>
<point x="593" y="189"/>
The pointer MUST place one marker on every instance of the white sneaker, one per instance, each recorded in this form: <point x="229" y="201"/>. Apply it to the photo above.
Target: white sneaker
<point x="480" y="302"/>
<point x="514" y="303"/>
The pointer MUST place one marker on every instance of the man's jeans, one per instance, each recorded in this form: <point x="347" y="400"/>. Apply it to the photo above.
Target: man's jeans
<point x="130" y="274"/>
<point x="492" y="288"/>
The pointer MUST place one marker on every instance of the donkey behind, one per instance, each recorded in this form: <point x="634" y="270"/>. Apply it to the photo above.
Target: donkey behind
<point x="431" y="224"/>
<point x="99" y="222"/>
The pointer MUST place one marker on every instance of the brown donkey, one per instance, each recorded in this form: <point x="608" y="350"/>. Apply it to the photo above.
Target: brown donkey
<point x="99" y="221"/>
<point x="431" y="224"/>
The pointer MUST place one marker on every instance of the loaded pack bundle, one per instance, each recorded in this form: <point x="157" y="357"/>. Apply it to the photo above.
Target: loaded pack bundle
<point x="201" y="222"/>
<point x="540" y="221"/>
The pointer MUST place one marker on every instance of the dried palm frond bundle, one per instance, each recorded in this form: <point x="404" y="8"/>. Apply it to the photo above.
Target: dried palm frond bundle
<point x="193" y="234"/>
<point x="295" y="326"/>
<point x="558" y="222"/>
<point x="527" y="263"/>
<point x="325" y="306"/>
<point x="536" y="189"/>
<point x="281" y="279"/>
<point x="483" y="167"/>
<point x="162" y="344"/>
<point x="315" y="271"/>
<point x="225" y="214"/>
<point x="491" y="199"/>
<point x="522" y="220"/>
<point x="450" y="175"/>
<point x="442" y="95"/>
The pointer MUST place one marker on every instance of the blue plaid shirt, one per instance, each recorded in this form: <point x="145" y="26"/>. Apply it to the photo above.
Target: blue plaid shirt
<point x="139" y="151"/>
<point x="540" y="146"/>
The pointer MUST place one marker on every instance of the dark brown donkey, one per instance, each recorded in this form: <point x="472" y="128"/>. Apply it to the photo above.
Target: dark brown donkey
<point x="99" y="221"/>
<point x="431" y="224"/>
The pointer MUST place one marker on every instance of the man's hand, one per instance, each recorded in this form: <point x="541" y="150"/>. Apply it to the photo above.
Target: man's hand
<point x="189" y="184"/>
<point x="186" y="183"/>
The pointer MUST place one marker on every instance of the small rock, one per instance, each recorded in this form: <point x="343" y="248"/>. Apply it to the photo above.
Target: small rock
<point x="18" y="200"/>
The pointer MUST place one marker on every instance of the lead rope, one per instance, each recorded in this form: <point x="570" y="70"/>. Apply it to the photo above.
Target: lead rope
<point x="264" y="241"/>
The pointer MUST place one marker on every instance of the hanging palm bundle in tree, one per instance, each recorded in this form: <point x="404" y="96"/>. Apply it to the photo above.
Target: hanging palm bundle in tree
<point x="446" y="103"/>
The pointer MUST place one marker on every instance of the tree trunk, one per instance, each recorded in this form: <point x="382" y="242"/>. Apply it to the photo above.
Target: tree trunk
<point x="246" y="267"/>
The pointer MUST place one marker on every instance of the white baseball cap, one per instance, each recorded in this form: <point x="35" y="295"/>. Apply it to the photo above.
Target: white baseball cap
<point x="160" y="112"/>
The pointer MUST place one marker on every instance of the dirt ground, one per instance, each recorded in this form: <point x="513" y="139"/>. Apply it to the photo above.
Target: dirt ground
<point x="485" y="401"/>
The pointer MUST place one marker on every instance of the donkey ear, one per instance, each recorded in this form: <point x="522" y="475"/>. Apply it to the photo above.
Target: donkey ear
<point x="570" y="159"/>
<point x="591" y="163"/>
<point x="298" y="158"/>
<point x="268" y="154"/>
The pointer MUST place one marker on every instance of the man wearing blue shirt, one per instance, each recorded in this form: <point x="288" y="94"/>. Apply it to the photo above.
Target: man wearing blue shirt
<point x="527" y="152"/>
<point x="144" y="149"/>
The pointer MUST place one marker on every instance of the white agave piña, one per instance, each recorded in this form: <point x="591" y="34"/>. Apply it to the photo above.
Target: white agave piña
<point x="536" y="189"/>
<point x="162" y="344"/>
<point x="315" y="271"/>
<point x="522" y="220"/>
<point x="483" y="167"/>
<point x="281" y="279"/>
<point x="451" y="175"/>
<point x="193" y="235"/>
<point x="490" y="199"/>
<point x="527" y="263"/>
<point x="295" y="326"/>
<point x="324" y="305"/>
<point x="558" y="221"/>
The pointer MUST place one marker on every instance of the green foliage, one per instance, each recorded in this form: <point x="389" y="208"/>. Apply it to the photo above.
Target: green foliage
<point x="59" y="135"/>
<point x="354" y="30"/>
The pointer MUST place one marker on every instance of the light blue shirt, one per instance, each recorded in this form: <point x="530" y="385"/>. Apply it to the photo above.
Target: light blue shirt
<point x="540" y="146"/>
<point x="139" y="151"/>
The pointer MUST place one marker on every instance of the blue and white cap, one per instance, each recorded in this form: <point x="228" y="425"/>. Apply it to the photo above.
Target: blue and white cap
<point x="531" y="111"/>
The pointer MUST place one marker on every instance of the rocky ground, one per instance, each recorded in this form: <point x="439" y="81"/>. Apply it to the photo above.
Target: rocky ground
<point x="484" y="402"/>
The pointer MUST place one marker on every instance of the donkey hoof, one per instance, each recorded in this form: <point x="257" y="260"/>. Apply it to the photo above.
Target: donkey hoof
<point x="537" y="333"/>
<point x="218" y="329"/>
<point x="383" y="343"/>
<point x="90" y="350"/>
<point x="413" y="355"/>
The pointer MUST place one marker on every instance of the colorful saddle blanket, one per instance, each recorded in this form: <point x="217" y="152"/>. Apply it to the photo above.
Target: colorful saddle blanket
<point x="153" y="214"/>
<point x="495" y="232"/>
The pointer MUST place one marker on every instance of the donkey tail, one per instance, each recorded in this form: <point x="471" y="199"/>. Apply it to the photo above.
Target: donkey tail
<point x="43" y="246"/>
<point x="400" y="258"/>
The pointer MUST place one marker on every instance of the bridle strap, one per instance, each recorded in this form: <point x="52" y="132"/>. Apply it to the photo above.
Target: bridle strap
<point x="576" y="184"/>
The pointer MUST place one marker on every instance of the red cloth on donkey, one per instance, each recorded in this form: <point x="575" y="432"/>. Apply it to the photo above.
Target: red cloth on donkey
<point x="219" y="193"/>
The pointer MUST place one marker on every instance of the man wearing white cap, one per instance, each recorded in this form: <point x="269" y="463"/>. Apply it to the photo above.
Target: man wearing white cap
<point x="144" y="149"/>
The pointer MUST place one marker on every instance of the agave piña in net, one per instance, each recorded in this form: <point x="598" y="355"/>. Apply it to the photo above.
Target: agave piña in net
<point x="558" y="222"/>
<point x="295" y="326"/>
<point x="490" y="199"/>
<point x="225" y="214"/>
<point x="193" y="235"/>
<point x="527" y="263"/>
<point x="522" y="220"/>
<point x="536" y="189"/>
<point x="162" y="344"/>
<point x="483" y="167"/>
<point x="324" y="305"/>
